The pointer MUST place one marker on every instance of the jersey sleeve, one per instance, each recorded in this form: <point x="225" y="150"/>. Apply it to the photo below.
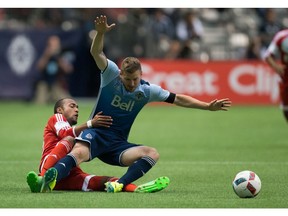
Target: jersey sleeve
<point x="61" y="126"/>
<point x="272" y="48"/>
<point x="110" y="72"/>
<point x="158" y="94"/>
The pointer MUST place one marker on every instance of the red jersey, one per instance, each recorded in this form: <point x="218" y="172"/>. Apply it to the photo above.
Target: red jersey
<point x="56" y="129"/>
<point x="279" y="47"/>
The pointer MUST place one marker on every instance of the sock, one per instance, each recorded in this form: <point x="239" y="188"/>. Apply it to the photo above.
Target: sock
<point x="137" y="170"/>
<point x="285" y="112"/>
<point x="60" y="151"/>
<point x="97" y="183"/>
<point x="128" y="188"/>
<point x="64" y="166"/>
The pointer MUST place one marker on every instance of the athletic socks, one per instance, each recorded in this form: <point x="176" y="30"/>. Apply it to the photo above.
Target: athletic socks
<point x="64" y="166"/>
<point x="61" y="149"/>
<point x="127" y="188"/>
<point x="137" y="170"/>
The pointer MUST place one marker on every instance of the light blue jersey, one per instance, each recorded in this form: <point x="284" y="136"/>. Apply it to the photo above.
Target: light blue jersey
<point x="122" y="106"/>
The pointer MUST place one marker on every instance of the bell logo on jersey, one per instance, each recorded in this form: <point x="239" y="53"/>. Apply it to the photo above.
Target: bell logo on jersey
<point x="116" y="102"/>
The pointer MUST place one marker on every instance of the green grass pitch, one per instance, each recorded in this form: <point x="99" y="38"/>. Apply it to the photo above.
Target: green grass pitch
<point x="200" y="151"/>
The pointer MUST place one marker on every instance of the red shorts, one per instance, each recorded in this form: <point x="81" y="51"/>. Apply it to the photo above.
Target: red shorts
<point x="283" y="88"/>
<point x="81" y="181"/>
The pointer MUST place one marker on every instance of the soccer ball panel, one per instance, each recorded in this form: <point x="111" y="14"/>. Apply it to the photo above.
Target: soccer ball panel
<point x="246" y="184"/>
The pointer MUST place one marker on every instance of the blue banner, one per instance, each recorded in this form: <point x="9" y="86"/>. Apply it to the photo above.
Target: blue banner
<point x="19" y="53"/>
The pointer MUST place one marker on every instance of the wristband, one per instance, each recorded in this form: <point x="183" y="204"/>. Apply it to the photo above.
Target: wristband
<point x="89" y="124"/>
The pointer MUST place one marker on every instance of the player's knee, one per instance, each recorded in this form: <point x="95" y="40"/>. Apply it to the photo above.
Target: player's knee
<point x="81" y="152"/>
<point x="153" y="153"/>
<point x="70" y="140"/>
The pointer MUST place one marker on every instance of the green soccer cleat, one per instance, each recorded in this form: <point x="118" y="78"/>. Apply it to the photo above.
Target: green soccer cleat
<point x="113" y="187"/>
<point x="49" y="180"/>
<point x="34" y="181"/>
<point x="153" y="186"/>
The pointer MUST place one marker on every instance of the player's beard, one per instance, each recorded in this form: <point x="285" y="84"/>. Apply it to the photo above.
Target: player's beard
<point x="73" y="120"/>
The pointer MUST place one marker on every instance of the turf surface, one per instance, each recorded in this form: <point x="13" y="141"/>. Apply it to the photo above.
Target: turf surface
<point x="200" y="151"/>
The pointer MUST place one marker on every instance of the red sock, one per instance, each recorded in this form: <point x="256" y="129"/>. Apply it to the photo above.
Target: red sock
<point x="97" y="183"/>
<point x="130" y="188"/>
<point x="61" y="150"/>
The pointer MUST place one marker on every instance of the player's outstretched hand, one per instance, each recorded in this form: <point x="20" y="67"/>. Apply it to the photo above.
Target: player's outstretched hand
<point x="100" y="120"/>
<point x="101" y="24"/>
<point x="223" y="104"/>
<point x="280" y="69"/>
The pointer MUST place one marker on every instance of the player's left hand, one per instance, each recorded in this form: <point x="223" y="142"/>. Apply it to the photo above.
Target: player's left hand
<point x="223" y="104"/>
<point x="101" y="120"/>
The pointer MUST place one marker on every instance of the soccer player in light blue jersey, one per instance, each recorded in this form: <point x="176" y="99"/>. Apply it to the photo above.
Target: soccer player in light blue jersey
<point x="122" y="95"/>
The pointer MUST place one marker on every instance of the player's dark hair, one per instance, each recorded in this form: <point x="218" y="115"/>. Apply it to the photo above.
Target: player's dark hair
<point x="130" y="65"/>
<point x="59" y="103"/>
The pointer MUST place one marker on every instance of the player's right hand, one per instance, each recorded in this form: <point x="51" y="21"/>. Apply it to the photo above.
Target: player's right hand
<point x="280" y="69"/>
<point x="101" y="24"/>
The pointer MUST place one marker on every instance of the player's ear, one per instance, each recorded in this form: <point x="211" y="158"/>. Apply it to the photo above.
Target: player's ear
<point x="59" y="110"/>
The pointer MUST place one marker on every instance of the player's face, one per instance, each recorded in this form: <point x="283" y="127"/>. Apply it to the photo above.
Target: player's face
<point x="70" y="111"/>
<point x="131" y="80"/>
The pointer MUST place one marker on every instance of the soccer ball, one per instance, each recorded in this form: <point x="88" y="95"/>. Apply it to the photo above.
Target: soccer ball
<point x="246" y="184"/>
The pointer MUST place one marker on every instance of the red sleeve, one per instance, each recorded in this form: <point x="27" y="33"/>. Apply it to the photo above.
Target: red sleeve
<point x="61" y="126"/>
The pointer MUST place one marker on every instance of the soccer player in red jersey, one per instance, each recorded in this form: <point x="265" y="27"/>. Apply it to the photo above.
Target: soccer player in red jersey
<point x="59" y="136"/>
<point x="278" y="49"/>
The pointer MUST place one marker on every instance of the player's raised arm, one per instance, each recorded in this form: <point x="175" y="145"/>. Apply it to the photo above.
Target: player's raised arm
<point x="96" y="49"/>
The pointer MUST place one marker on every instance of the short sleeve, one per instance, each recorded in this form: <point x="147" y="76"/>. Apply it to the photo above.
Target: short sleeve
<point x="158" y="94"/>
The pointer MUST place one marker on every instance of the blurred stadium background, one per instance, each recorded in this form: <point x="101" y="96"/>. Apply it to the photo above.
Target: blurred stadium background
<point x="181" y="36"/>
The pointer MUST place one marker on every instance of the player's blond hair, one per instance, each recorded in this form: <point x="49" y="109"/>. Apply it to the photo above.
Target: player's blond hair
<point x="130" y="65"/>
